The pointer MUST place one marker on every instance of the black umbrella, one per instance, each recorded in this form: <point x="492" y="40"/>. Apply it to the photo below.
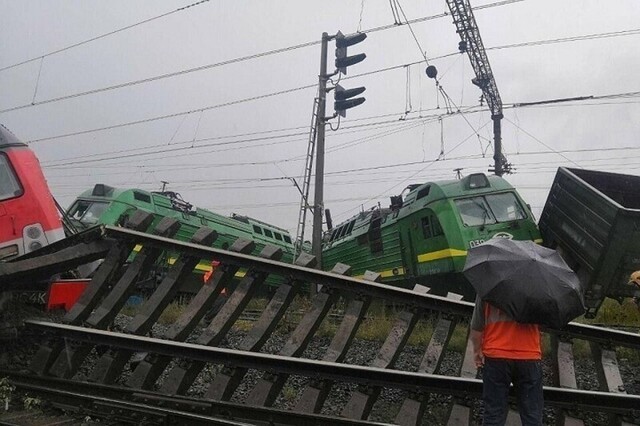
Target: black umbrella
<point x="529" y="282"/>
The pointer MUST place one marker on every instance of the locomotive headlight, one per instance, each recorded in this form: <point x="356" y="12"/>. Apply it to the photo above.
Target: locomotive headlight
<point x="35" y="245"/>
<point x="33" y="232"/>
<point x="34" y="237"/>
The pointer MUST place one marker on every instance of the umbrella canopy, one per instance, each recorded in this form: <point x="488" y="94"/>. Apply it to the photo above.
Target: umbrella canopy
<point x="529" y="282"/>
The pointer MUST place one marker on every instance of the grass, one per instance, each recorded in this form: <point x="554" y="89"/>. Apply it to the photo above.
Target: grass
<point x="381" y="318"/>
<point x="613" y="313"/>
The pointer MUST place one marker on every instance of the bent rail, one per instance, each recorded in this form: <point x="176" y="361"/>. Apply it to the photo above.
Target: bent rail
<point x="166" y="367"/>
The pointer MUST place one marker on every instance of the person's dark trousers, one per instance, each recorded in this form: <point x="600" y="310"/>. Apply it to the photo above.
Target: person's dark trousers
<point x="526" y="377"/>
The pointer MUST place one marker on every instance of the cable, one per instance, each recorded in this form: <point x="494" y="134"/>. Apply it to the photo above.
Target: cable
<point x="569" y="39"/>
<point x="346" y="130"/>
<point x="223" y="63"/>
<point x="116" y="154"/>
<point x="422" y="52"/>
<point x="178" y="114"/>
<point x="542" y="143"/>
<point x="226" y="104"/>
<point x="102" y="36"/>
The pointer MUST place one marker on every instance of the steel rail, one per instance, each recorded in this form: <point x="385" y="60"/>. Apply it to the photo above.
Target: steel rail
<point x="340" y="282"/>
<point x="623" y="404"/>
<point x="356" y="286"/>
<point x="188" y="408"/>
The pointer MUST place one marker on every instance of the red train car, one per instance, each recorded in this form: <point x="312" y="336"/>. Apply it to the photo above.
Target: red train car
<point x="28" y="215"/>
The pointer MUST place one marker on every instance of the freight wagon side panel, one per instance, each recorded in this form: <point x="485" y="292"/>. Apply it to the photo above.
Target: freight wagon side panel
<point x="593" y="219"/>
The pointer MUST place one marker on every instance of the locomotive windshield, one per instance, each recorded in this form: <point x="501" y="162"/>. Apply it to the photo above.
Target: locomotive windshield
<point x="490" y="209"/>
<point x="87" y="212"/>
<point x="9" y="185"/>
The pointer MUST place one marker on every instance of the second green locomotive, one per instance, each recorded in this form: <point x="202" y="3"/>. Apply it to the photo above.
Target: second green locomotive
<point x="423" y="237"/>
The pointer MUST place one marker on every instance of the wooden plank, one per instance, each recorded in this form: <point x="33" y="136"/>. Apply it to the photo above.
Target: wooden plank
<point x="21" y="274"/>
<point x="93" y="293"/>
<point x="564" y="376"/>
<point x="269" y="386"/>
<point x="609" y="376"/>
<point x="414" y="406"/>
<point x="185" y="372"/>
<point x="362" y="399"/>
<point x="460" y="414"/>
<point x="227" y="381"/>
<point x="315" y="394"/>
<point x="110" y="364"/>
<point x="74" y="353"/>
<point x="151" y="367"/>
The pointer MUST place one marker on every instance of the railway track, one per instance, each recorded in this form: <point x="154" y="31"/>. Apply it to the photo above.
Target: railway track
<point x="82" y="365"/>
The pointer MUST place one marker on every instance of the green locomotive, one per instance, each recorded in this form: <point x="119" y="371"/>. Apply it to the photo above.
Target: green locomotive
<point x="423" y="238"/>
<point x="111" y="206"/>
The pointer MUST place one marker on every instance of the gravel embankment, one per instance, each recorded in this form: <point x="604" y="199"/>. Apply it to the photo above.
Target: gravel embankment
<point x="16" y="355"/>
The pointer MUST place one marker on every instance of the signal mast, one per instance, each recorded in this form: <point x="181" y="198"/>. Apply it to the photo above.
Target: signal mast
<point x="471" y="43"/>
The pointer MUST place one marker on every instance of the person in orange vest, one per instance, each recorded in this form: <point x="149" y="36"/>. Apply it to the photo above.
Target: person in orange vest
<point x="634" y="279"/>
<point x="207" y="275"/>
<point x="508" y="352"/>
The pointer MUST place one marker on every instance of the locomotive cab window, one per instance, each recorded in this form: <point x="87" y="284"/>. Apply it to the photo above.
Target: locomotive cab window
<point x="9" y="184"/>
<point x="87" y="212"/>
<point x="475" y="211"/>
<point x="431" y="227"/>
<point x="506" y="207"/>
<point x="490" y="209"/>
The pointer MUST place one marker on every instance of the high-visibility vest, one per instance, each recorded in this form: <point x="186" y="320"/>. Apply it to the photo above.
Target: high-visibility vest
<point x="207" y="275"/>
<point x="507" y="339"/>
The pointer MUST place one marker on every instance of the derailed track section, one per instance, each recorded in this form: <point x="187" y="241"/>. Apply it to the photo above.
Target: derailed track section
<point x="159" y="378"/>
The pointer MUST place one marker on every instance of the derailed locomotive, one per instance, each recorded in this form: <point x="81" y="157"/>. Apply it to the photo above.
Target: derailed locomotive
<point x="106" y="205"/>
<point x="424" y="236"/>
<point x="29" y="219"/>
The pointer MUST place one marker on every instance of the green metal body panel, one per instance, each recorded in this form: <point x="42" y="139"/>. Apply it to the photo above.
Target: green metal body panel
<point x="111" y="206"/>
<point x="425" y="239"/>
<point x="593" y="218"/>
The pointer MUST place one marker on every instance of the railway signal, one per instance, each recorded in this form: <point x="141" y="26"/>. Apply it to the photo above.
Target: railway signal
<point x="344" y="99"/>
<point x="342" y="42"/>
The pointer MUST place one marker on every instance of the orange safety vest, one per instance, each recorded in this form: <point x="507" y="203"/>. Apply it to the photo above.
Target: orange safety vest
<point x="507" y="339"/>
<point x="207" y="275"/>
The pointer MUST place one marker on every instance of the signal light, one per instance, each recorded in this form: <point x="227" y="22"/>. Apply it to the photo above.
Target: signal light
<point x="342" y="42"/>
<point x="341" y="94"/>
<point x="343" y="101"/>
<point x="342" y="106"/>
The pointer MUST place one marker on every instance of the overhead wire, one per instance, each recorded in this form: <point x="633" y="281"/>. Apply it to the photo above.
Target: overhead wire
<point x="223" y="63"/>
<point x="542" y="143"/>
<point x="81" y="43"/>
<point x="428" y="164"/>
<point x="120" y="155"/>
<point x="178" y="114"/>
<point x="166" y="116"/>
<point x="117" y="154"/>
<point x="347" y="129"/>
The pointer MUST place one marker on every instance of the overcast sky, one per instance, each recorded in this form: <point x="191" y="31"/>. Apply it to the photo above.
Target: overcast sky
<point x="227" y="139"/>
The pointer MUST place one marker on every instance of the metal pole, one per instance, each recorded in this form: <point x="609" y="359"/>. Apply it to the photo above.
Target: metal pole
<point x="318" y="202"/>
<point x="497" y="145"/>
